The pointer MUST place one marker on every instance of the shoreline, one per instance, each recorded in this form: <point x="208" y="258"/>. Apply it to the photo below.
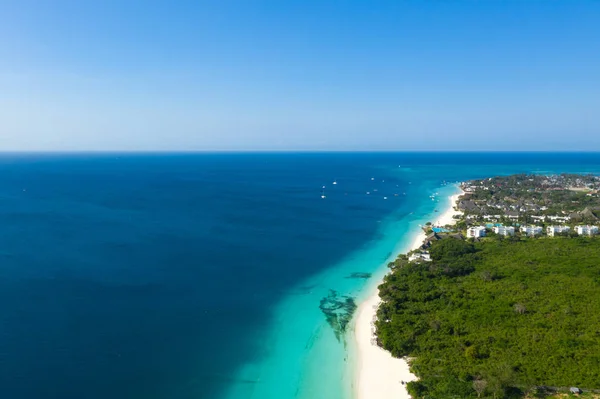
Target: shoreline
<point x="377" y="374"/>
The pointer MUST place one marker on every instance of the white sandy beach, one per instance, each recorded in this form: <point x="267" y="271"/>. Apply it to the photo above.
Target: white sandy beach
<point x="378" y="375"/>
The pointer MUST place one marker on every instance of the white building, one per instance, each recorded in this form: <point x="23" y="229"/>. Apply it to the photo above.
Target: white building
<point x="557" y="218"/>
<point x="586" y="230"/>
<point x="531" y="230"/>
<point x="476" y="232"/>
<point x="420" y="256"/>
<point x="504" y="230"/>
<point x="553" y="230"/>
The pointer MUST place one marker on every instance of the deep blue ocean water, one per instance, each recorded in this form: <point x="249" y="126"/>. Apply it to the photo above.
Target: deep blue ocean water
<point x="159" y="275"/>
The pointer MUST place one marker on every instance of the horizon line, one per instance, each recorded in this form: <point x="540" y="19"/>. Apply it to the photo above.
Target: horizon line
<point x="291" y="151"/>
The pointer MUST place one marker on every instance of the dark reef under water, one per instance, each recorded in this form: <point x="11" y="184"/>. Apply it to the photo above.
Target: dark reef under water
<point x="360" y="275"/>
<point x="338" y="311"/>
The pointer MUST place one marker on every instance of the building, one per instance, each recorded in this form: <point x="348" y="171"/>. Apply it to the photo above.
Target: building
<point x="420" y="256"/>
<point x="557" y="218"/>
<point x="504" y="230"/>
<point x="586" y="230"/>
<point x="513" y="215"/>
<point x="429" y="240"/>
<point x="531" y="230"/>
<point x="553" y="230"/>
<point x="476" y="232"/>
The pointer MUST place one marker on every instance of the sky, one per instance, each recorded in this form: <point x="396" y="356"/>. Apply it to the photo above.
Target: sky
<point x="148" y="75"/>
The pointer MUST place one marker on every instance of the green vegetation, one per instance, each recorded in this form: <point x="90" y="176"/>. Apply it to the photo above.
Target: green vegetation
<point x="495" y="318"/>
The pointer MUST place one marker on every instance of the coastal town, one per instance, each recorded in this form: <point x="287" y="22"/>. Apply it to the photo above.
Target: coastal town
<point x="528" y="199"/>
<point x="521" y="205"/>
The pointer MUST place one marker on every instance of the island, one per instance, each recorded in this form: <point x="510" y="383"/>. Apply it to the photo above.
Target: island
<point x="505" y="302"/>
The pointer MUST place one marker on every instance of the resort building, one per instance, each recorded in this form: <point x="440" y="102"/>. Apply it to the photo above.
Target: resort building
<point x="420" y="256"/>
<point x="553" y="230"/>
<point x="504" y="230"/>
<point x="586" y="230"/>
<point x="513" y="215"/>
<point x="563" y="219"/>
<point x="476" y="232"/>
<point x="531" y="230"/>
<point x="491" y="217"/>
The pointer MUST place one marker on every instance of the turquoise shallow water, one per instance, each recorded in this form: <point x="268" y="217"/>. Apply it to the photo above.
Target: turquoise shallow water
<point x="322" y="363"/>
<point x="201" y="275"/>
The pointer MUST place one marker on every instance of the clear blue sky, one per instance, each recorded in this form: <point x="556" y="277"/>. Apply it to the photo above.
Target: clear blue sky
<point x="299" y="75"/>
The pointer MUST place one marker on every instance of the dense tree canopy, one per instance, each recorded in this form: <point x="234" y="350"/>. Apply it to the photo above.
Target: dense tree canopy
<point x="496" y="318"/>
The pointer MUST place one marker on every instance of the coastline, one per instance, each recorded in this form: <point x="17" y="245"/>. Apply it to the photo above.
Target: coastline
<point x="378" y="375"/>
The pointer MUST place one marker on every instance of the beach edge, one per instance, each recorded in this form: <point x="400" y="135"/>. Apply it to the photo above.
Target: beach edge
<point x="376" y="373"/>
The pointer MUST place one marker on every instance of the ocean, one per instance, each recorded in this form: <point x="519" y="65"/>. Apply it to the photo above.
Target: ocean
<point x="192" y="276"/>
